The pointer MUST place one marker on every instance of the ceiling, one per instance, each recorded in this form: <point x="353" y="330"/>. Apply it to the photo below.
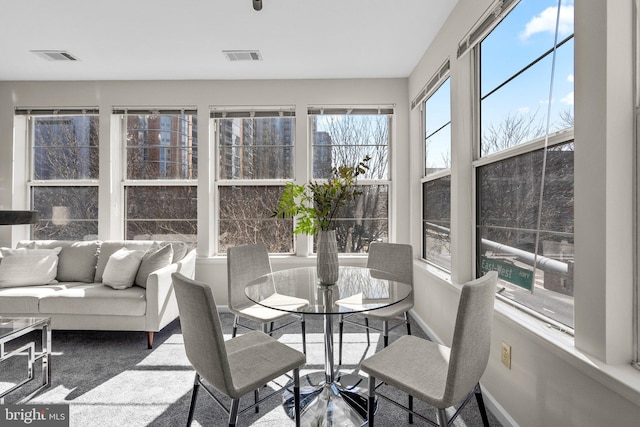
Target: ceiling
<point x="184" y="39"/>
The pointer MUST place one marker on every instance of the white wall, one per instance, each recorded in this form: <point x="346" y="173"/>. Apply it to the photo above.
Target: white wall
<point x="202" y="95"/>
<point x="554" y="380"/>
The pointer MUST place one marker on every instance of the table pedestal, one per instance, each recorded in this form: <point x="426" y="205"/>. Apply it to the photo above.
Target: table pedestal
<point x="329" y="400"/>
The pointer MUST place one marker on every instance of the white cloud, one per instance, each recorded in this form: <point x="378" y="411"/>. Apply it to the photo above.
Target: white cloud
<point x="523" y="110"/>
<point x="568" y="99"/>
<point x="570" y="78"/>
<point x="546" y="22"/>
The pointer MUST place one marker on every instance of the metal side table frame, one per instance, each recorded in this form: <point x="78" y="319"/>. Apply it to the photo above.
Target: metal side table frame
<point x="12" y="328"/>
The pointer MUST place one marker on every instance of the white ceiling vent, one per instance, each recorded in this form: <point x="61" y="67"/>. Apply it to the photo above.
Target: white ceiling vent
<point x="55" y="55"/>
<point x="243" y="55"/>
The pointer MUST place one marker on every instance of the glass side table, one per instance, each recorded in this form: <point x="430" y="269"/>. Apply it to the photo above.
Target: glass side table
<point x="12" y="328"/>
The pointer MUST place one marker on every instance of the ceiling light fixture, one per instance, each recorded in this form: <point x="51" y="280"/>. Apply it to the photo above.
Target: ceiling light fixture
<point x="257" y="4"/>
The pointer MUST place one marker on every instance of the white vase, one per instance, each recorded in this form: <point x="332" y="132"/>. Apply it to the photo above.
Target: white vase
<point x="327" y="257"/>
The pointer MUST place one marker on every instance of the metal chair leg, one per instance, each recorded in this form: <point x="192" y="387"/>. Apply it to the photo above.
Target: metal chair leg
<point x="304" y="335"/>
<point x="411" y="409"/>
<point x="340" y="327"/>
<point x="296" y="394"/>
<point x="483" y="410"/>
<point x="265" y="328"/>
<point x="235" y="327"/>
<point x="366" y="323"/>
<point x="194" y="396"/>
<point x="406" y="319"/>
<point x="385" y="332"/>
<point x="442" y="418"/>
<point x="372" y="400"/>
<point x="256" y="397"/>
<point x="233" y="412"/>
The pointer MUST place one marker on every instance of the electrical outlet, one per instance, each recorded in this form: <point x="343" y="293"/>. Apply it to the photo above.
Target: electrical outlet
<point x="506" y="355"/>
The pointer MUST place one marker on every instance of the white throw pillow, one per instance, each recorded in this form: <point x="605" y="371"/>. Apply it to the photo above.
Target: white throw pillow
<point x="121" y="268"/>
<point x="28" y="267"/>
<point x="155" y="258"/>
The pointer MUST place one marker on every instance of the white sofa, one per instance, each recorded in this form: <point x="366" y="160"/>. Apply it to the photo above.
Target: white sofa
<point x="80" y="301"/>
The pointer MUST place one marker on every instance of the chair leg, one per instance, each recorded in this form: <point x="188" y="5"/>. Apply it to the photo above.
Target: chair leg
<point x="411" y="409"/>
<point x="366" y="323"/>
<point x="233" y="412"/>
<point x="296" y="394"/>
<point x="194" y="396"/>
<point x="483" y="410"/>
<point x="256" y="397"/>
<point x="442" y="418"/>
<point x="270" y="328"/>
<point x="304" y="335"/>
<point x="372" y="400"/>
<point x="385" y="332"/>
<point x="235" y="326"/>
<point x="406" y="319"/>
<point x="265" y="328"/>
<point x="340" y="326"/>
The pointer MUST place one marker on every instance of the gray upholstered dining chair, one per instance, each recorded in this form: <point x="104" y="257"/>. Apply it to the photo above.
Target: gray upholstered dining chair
<point x="436" y="374"/>
<point x="396" y="259"/>
<point x="234" y="367"/>
<point x="244" y="264"/>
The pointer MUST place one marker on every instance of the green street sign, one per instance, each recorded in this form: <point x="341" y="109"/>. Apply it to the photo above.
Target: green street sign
<point x="508" y="272"/>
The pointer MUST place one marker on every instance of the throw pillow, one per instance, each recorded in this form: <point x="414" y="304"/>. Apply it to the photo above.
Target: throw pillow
<point x="122" y="266"/>
<point x="28" y="267"/>
<point x="156" y="257"/>
<point x="179" y="250"/>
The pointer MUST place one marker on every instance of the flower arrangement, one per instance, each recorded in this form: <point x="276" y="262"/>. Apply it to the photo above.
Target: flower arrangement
<point x="316" y="204"/>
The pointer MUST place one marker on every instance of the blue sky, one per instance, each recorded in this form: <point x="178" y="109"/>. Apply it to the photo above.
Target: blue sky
<point x="525" y="34"/>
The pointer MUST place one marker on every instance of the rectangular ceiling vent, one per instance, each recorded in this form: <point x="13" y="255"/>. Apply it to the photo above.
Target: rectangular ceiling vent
<point x="55" y="55"/>
<point x="243" y="55"/>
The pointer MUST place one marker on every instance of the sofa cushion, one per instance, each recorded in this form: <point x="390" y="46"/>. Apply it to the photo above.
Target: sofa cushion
<point x="94" y="298"/>
<point x="28" y="267"/>
<point x="77" y="259"/>
<point x="155" y="258"/>
<point x="120" y="271"/>
<point x="108" y="247"/>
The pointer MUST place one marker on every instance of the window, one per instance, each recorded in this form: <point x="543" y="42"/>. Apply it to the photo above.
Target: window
<point x="161" y="152"/>
<point x="64" y="172"/>
<point x="344" y="136"/>
<point x="255" y="157"/>
<point x="436" y="184"/>
<point x="525" y="171"/>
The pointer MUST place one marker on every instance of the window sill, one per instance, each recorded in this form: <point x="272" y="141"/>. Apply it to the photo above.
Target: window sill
<point x="621" y="378"/>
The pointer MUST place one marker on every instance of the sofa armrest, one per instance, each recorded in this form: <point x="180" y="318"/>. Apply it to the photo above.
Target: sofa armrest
<point x="162" y="307"/>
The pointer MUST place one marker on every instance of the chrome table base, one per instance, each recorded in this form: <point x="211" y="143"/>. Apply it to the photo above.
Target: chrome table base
<point x="342" y="402"/>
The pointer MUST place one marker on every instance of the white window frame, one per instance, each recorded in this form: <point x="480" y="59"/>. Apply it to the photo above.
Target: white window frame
<point x="121" y="113"/>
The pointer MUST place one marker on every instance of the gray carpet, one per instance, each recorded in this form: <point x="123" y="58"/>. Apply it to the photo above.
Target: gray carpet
<point x="111" y="379"/>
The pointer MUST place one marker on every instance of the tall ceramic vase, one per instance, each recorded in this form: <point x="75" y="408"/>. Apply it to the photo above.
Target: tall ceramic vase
<point x="327" y="257"/>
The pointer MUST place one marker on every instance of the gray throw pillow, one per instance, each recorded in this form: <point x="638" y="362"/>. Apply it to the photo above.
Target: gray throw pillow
<point x="28" y="267"/>
<point x="121" y="269"/>
<point x="156" y="257"/>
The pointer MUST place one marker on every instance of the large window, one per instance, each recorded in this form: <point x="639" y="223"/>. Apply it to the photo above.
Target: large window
<point x="343" y="137"/>
<point x="255" y="156"/>
<point x="161" y="174"/>
<point x="64" y="172"/>
<point x="525" y="168"/>
<point x="436" y="184"/>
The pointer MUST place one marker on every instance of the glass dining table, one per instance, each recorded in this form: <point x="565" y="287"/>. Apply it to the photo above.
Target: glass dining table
<point x="330" y="397"/>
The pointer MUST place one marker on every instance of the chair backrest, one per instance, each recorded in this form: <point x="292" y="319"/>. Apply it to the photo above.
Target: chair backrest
<point x="394" y="258"/>
<point x="245" y="263"/>
<point x="471" y="337"/>
<point x="202" y="332"/>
